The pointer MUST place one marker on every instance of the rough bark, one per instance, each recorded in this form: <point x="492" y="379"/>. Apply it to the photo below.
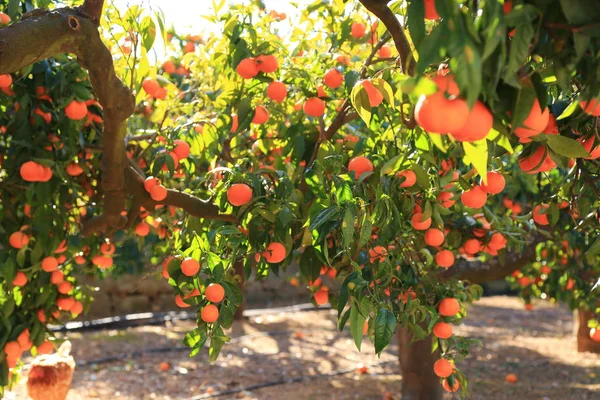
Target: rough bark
<point x="584" y="342"/>
<point x="42" y="34"/>
<point x="419" y="382"/>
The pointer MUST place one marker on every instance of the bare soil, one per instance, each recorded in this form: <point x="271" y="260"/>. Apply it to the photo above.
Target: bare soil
<point x="538" y="346"/>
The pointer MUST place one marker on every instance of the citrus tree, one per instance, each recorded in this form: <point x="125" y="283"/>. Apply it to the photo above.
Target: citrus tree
<point x="396" y="153"/>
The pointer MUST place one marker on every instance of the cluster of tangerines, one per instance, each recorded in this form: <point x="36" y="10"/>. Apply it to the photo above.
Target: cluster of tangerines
<point x="15" y="349"/>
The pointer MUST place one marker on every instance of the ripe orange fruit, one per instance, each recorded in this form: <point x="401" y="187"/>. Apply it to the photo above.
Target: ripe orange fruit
<point x="275" y="253"/>
<point x="472" y="246"/>
<point x="437" y="114"/>
<point x="151" y="86"/>
<point x="267" y="63"/>
<point x="13" y="349"/>
<point x="158" y="193"/>
<point x="239" y="194"/>
<point x="418" y="223"/>
<point x="442" y="368"/>
<point x="538" y="161"/>
<point x="591" y="107"/>
<point x="49" y="264"/>
<point x="474" y="198"/>
<point x="377" y="253"/>
<point x="210" y="313"/>
<point x="5" y="79"/>
<point x="45" y="348"/>
<point x="46" y="174"/>
<point x="495" y="183"/>
<point x="45" y="115"/>
<point x="180" y="303"/>
<point x="277" y="91"/>
<point x="445" y="198"/>
<point x="164" y="366"/>
<point x="430" y="11"/>
<point x="511" y="378"/>
<point x="333" y="78"/>
<point x="103" y="262"/>
<point x="65" y="287"/>
<point x="76" y="110"/>
<point x="314" y="107"/>
<point x="107" y="249"/>
<point x="434" y="237"/>
<point x="20" y="279"/>
<point x="322" y="296"/>
<point x="77" y="308"/>
<point x="261" y="115"/>
<point x="358" y="30"/>
<point x="589" y="144"/>
<point x="18" y="240"/>
<point x="74" y="169"/>
<point x="497" y="241"/>
<point x="534" y="124"/>
<point x="142" y="229"/>
<point x="538" y="217"/>
<point x="169" y="67"/>
<point x="190" y="267"/>
<point x="375" y="96"/>
<point x="247" y="68"/>
<point x="150" y="182"/>
<point x="410" y="178"/>
<point x="57" y="277"/>
<point x="454" y="387"/>
<point x="442" y="330"/>
<point x="359" y="165"/>
<point x="31" y="171"/>
<point x="449" y="307"/>
<point x="595" y="334"/>
<point x="385" y="52"/>
<point x="478" y="124"/>
<point x="214" y="293"/>
<point x="444" y="258"/>
<point x="182" y="149"/>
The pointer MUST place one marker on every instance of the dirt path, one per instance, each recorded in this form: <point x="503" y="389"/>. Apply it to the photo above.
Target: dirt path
<point x="538" y="346"/>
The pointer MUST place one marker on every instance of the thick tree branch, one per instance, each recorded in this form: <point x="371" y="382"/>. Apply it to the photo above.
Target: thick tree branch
<point x="479" y="272"/>
<point x="380" y="9"/>
<point x="93" y="9"/>
<point x="43" y="34"/>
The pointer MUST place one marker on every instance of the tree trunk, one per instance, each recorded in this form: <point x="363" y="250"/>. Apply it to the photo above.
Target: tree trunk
<point x="238" y="268"/>
<point x="416" y="361"/>
<point x="584" y="342"/>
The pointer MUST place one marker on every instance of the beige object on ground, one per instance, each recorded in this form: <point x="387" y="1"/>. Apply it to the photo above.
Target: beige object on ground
<point x="51" y="375"/>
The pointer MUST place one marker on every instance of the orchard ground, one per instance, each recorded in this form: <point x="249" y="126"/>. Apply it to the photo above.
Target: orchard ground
<point x="538" y="346"/>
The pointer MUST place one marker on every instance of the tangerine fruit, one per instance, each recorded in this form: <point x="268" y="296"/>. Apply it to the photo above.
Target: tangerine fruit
<point x="434" y="237"/>
<point x="375" y="96"/>
<point x="5" y="79"/>
<point x="142" y="229"/>
<point x="495" y="183"/>
<point x="49" y="264"/>
<point x="591" y="107"/>
<point x="454" y="387"/>
<point x="443" y="368"/>
<point x="322" y="296"/>
<point x="18" y="240"/>
<point x="377" y="253"/>
<point x="190" y="267"/>
<point x="31" y="171"/>
<point x="474" y="198"/>
<point x="239" y="194"/>
<point x="444" y="258"/>
<point x="418" y="223"/>
<point x="20" y="279"/>
<point x="538" y="217"/>
<point x="534" y="124"/>
<point x="275" y="253"/>
<point x="314" y="107"/>
<point x="478" y="124"/>
<point x="45" y="348"/>
<point x="437" y="114"/>
<point x="333" y="78"/>
<point x="209" y="313"/>
<point x="449" y="307"/>
<point x="74" y="169"/>
<point x="247" y="68"/>
<point x="214" y="293"/>
<point x="151" y="86"/>
<point x="431" y="13"/>
<point x="182" y="149"/>
<point x="358" y="30"/>
<point x="442" y="330"/>
<point x="410" y="178"/>
<point x="158" y="193"/>
<point x="261" y="115"/>
<point x="76" y="110"/>
<point x="277" y="91"/>
<point x="511" y="378"/>
<point x="360" y="165"/>
<point x="267" y="63"/>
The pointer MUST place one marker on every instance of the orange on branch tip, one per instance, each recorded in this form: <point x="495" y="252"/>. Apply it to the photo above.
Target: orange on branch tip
<point x="333" y="78"/>
<point x="49" y="264"/>
<point x="314" y="107"/>
<point x="158" y="193"/>
<point x="239" y="194"/>
<point x="261" y="115"/>
<point x="474" y="198"/>
<point x="322" y="296"/>
<point x="190" y="267"/>
<point x="444" y="258"/>
<point x="214" y="293"/>
<point x="449" y="307"/>
<point x="76" y="110"/>
<point x="360" y="165"/>
<point x="275" y="253"/>
<point x="247" y="68"/>
<point x="209" y="313"/>
<point x="277" y="91"/>
<point x="443" y="368"/>
<point x="442" y="330"/>
<point x="418" y="223"/>
<point x="434" y="237"/>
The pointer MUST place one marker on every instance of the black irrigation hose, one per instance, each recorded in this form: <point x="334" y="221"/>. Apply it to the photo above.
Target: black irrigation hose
<point x="284" y="382"/>
<point x="138" y="353"/>
<point x="149" y="318"/>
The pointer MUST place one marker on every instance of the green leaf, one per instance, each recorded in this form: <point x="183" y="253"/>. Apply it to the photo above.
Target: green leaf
<point x="385" y="89"/>
<point x="385" y="325"/>
<point x="360" y="101"/>
<point x="567" y="112"/>
<point x="422" y="177"/>
<point x="594" y="249"/>
<point x="310" y="266"/>
<point x="348" y="227"/>
<point x="523" y="104"/>
<point x="366" y="230"/>
<point x="566" y="146"/>
<point x="476" y="153"/>
<point x="416" y="21"/>
<point x="391" y="165"/>
<point x="326" y="215"/>
<point x="432" y="48"/>
<point x="437" y="141"/>
<point x="358" y="314"/>
<point x="519" y="51"/>
<point x="148" y="31"/>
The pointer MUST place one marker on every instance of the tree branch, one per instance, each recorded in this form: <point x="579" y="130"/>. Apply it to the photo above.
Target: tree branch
<point x="93" y="8"/>
<point x="380" y="9"/>
<point x="478" y="272"/>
